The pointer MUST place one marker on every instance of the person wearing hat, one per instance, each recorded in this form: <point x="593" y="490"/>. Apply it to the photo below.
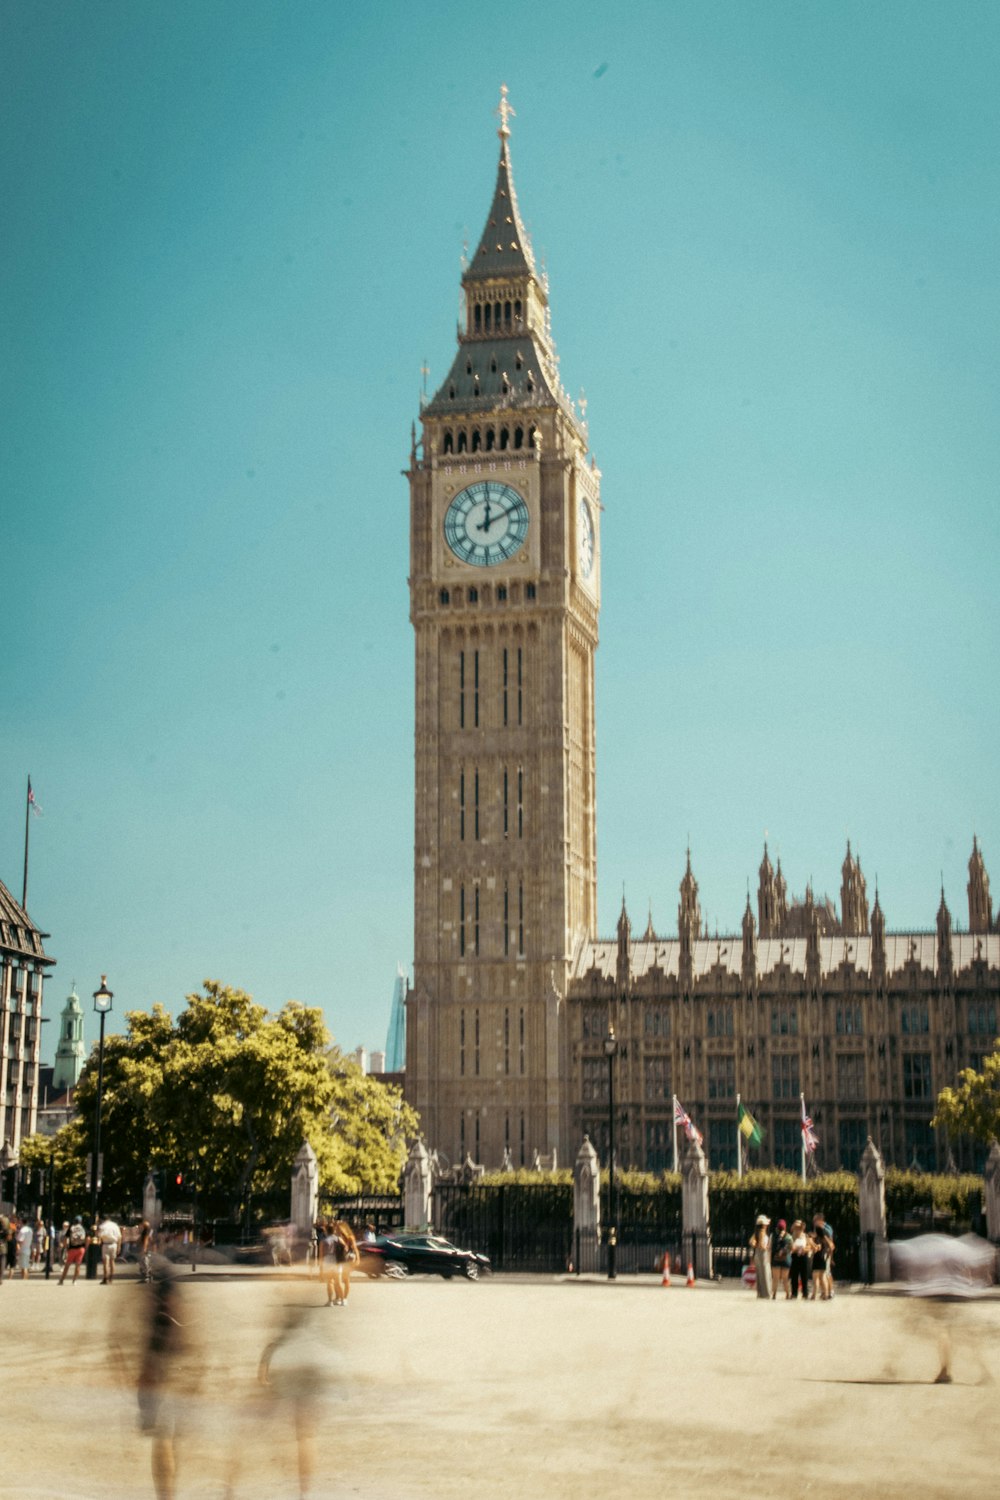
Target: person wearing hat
<point x="76" y="1245"/>
<point x="781" y="1260"/>
<point x="760" y="1244"/>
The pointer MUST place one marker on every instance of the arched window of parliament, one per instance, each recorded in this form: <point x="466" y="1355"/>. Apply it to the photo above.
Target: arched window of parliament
<point x="448" y="442"/>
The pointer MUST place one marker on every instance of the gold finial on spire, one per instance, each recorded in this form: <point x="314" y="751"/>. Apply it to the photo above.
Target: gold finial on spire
<point x="504" y="110"/>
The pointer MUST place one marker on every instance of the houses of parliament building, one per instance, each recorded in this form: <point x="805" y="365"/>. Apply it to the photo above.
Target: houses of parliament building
<point x="513" y="993"/>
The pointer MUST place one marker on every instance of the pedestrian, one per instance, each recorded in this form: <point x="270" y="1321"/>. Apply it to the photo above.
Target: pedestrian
<point x="109" y="1237"/>
<point x="76" y="1249"/>
<point x="781" y="1260"/>
<point x="4" y="1231"/>
<point x="144" y="1249"/>
<point x="822" y="1229"/>
<point x="946" y="1273"/>
<point x="820" y="1249"/>
<point x="25" y="1243"/>
<point x="799" y="1260"/>
<point x="760" y="1244"/>
<point x="342" y="1250"/>
<point x="11" y="1246"/>
<point x="169" y="1372"/>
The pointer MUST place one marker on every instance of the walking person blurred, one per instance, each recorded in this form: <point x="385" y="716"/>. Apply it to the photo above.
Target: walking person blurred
<point x="760" y="1244"/>
<point x="144" y="1248"/>
<point x="168" y="1376"/>
<point x="342" y="1250"/>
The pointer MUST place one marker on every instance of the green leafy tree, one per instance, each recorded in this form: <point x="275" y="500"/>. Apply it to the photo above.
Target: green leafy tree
<point x="972" y="1108"/>
<point x="227" y="1094"/>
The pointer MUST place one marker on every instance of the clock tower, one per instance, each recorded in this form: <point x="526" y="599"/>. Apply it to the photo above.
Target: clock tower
<point x="504" y="598"/>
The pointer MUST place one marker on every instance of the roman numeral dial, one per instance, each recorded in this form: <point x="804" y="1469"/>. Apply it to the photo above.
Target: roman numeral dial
<point x="486" y="523"/>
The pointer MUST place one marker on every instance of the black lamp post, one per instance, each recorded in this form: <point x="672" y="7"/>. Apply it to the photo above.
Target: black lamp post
<point x="610" y="1048"/>
<point x="102" y="1004"/>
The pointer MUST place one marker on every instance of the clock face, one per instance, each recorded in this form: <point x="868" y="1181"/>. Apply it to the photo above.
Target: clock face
<point x="486" y="523"/>
<point x="585" y="539"/>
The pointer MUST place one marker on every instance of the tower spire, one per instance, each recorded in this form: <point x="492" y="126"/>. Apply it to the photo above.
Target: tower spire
<point x="504" y="109"/>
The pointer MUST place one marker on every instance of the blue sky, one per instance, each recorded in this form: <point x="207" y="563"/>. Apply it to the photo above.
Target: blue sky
<point x="232" y="236"/>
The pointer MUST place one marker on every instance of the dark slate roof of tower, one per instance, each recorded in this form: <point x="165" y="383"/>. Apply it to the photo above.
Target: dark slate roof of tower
<point x="18" y="933"/>
<point x="504" y="249"/>
<point x="482" y="388"/>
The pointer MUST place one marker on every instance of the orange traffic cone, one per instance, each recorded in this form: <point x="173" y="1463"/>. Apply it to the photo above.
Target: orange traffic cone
<point x="690" y="1280"/>
<point x="665" y="1279"/>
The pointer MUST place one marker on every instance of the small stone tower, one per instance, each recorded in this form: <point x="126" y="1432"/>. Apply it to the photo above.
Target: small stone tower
<point x="980" y="905"/>
<point x="767" y="909"/>
<point x="853" y="897"/>
<point x="70" y="1051"/>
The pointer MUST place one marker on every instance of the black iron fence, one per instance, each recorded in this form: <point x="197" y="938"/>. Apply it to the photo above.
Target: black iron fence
<point x="384" y="1211"/>
<point x="520" y="1226"/>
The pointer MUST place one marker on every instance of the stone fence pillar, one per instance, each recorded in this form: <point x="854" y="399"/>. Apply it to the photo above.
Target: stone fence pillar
<point x="152" y="1208"/>
<point x="417" y="1188"/>
<point x="586" y="1251"/>
<point x="991" y="1196"/>
<point x="697" y="1247"/>
<point x="305" y="1192"/>
<point x="875" y="1262"/>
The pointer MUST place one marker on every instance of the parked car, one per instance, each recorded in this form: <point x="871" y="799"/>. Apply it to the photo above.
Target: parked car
<point x="408" y="1254"/>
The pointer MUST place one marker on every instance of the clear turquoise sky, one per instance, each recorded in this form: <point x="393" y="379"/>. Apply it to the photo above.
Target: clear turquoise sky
<point x="231" y="235"/>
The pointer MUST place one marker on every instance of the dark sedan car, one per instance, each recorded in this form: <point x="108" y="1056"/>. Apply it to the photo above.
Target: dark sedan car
<point x="408" y="1254"/>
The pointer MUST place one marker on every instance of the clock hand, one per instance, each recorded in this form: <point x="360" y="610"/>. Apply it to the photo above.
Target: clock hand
<point x="486" y="523"/>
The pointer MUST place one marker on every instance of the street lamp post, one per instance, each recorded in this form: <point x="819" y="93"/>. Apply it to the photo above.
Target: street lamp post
<point x="610" y="1048"/>
<point x="102" y="1004"/>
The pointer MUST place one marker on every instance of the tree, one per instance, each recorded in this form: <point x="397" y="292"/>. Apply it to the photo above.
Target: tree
<point x="226" y="1095"/>
<point x="973" y="1107"/>
<point x="372" y="1127"/>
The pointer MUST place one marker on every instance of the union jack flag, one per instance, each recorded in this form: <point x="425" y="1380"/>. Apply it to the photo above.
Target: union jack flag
<point x="683" y="1118"/>
<point x="809" y="1137"/>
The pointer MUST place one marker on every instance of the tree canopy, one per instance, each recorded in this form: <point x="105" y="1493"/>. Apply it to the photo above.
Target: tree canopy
<point x="226" y="1095"/>
<point x="973" y="1107"/>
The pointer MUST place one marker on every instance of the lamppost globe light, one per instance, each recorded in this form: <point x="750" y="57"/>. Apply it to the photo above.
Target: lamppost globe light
<point x="611" y="1042"/>
<point x="103" y="997"/>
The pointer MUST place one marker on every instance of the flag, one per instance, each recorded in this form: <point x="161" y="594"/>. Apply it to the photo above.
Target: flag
<point x="682" y="1117"/>
<point x="31" y="801"/>
<point x="810" y="1139"/>
<point x="749" y="1127"/>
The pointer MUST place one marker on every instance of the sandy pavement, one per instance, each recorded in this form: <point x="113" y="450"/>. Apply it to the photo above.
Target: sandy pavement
<point x="506" y="1388"/>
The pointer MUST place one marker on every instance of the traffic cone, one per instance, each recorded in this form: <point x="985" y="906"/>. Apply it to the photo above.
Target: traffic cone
<point x="690" y="1280"/>
<point x="665" y="1279"/>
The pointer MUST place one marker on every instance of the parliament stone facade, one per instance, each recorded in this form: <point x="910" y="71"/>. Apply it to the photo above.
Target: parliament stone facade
<point x="512" y="991"/>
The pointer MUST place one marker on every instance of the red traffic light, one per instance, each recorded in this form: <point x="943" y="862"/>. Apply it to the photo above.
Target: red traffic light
<point x="179" y="1179"/>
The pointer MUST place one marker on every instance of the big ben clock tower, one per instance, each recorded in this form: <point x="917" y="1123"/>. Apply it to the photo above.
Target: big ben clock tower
<point x="504" y="599"/>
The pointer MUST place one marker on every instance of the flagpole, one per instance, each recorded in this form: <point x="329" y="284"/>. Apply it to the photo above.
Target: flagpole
<point x="27" y="825"/>
<point x="802" y="1132"/>
<point x="739" y="1143"/>
<point x="675" y="1132"/>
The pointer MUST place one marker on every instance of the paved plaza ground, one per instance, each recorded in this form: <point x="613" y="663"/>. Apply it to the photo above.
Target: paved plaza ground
<point x="507" y="1388"/>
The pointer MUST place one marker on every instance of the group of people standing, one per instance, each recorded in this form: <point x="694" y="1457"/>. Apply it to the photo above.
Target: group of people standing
<point x="23" y="1244"/>
<point x="797" y="1261"/>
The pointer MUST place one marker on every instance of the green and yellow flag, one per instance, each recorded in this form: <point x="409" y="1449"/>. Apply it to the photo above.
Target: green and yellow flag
<point x="748" y="1125"/>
